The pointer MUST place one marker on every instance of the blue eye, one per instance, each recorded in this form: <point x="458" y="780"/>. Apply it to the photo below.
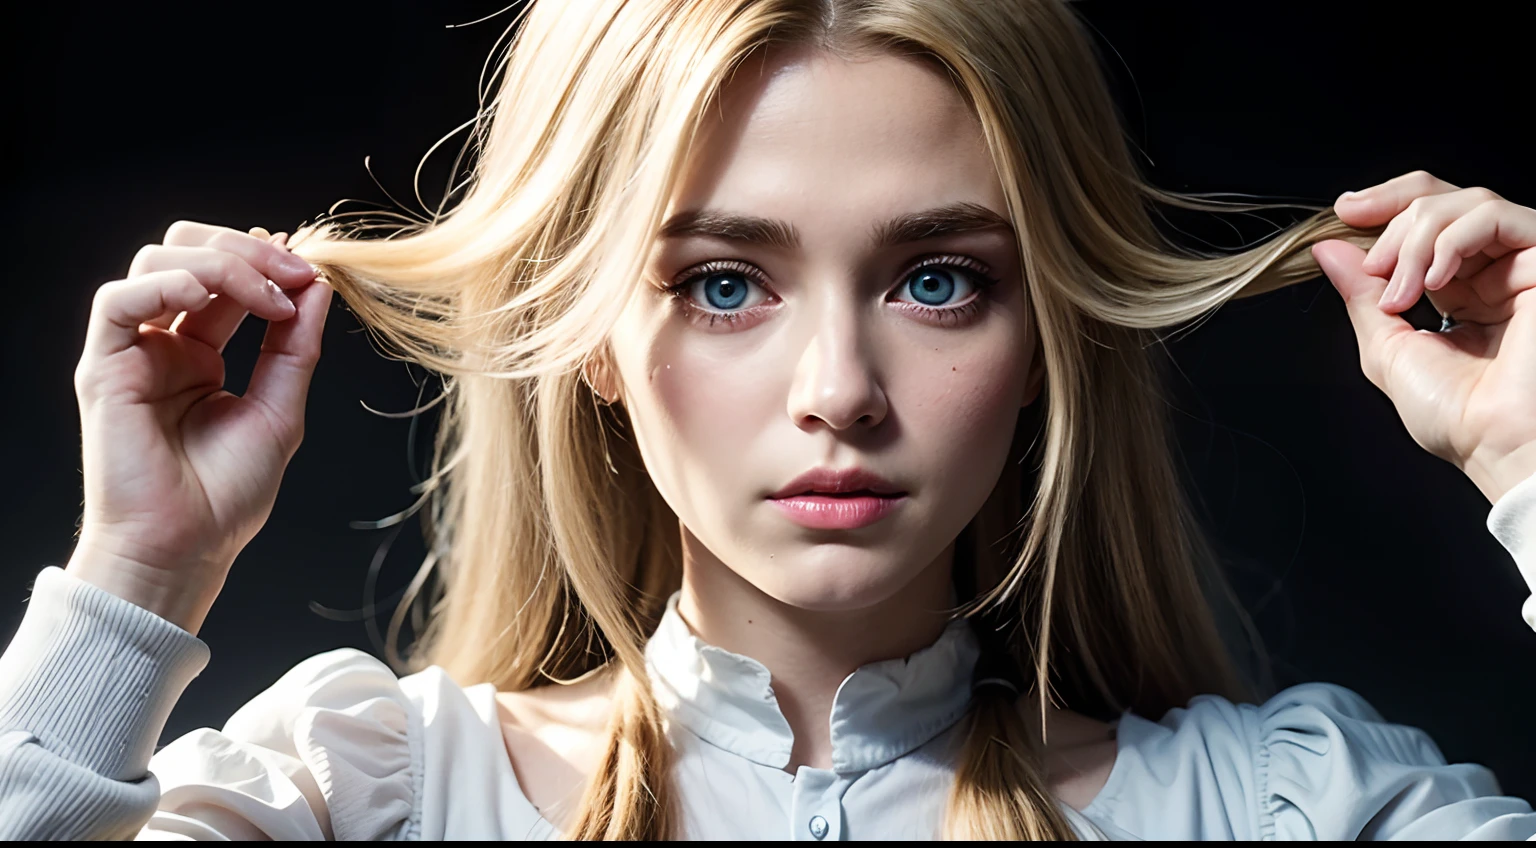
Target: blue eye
<point x="721" y="291"/>
<point x="725" y="289"/>
<point x="932" y="286"/>
<point x="718" y="291"/>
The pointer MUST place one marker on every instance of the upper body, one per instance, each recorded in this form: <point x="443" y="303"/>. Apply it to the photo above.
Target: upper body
<point x="341" y="747"/>
<point x="871" y="290"/>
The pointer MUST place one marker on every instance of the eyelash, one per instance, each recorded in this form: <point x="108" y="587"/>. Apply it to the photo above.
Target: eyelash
<point x="980" y="274"/>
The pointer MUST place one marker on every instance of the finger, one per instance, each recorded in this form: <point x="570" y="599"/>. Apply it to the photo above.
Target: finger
<point x="177" y="322"/>
<point x="218" y="323"/>
<point x="1382" y="202"/>
<point x="279" y="239"/>
<point x="172" y="321"/>
<point x="1465" y="309"/>
<point x="1381" y="259"/>
<point x="1472" y="265"/>
<point x="1374" y="328"/>
<point x="165" y="321"/>
<point x="1495" y="223"/>
<point x="221" y="272"/>
<point x="1430" y="216"/>
<point x="289" y="352"/>
<point x="215" y="325"/>
<point x="121" y="306"/>
<point x="1488" y="297"/>
<point x="277" y="263"/>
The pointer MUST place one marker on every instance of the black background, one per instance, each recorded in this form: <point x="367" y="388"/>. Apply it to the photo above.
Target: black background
<point x="1365" y="560"/>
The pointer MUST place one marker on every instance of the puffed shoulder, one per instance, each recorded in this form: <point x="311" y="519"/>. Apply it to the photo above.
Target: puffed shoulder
<point x="333" y="749"/>
<point x="1327" y="765"/>
<point x="1316" y="761"/>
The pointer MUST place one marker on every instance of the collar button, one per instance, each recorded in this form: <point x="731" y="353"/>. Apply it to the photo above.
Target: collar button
<point x="818" y="827"/>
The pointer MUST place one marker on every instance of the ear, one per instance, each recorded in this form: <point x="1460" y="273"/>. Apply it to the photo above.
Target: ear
<point x="599" y="374"/>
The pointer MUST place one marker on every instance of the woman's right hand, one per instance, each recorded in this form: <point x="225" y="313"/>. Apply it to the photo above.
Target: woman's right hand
<point x="180" y="474"/>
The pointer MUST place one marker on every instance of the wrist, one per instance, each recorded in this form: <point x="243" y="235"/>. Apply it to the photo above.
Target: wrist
<point x="182" y="597"/>
<point x="1494" y="475"/>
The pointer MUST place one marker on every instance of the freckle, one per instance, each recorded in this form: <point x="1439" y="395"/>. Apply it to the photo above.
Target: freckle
<point x="749" y="621"/>
<point x="951" y="367"/>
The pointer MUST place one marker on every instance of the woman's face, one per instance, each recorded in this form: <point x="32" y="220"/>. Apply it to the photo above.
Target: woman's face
<point x="832" y="337"/>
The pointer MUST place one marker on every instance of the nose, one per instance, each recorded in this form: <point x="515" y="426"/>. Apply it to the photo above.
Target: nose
<point x="835" y="381"/>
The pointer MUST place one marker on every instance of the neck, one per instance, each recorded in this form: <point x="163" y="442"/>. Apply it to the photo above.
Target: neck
<point x="810" y="652"/>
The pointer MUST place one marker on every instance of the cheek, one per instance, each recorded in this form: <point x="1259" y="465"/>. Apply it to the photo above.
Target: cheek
<point x="698" y="417"/>
<point x="961" y="406"/>
<point x="725" y="416"/>
<point x="712" y="401"/>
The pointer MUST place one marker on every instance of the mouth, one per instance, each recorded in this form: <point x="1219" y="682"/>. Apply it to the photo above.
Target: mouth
<point x="861" y="493"/>
<point x="839" y="510"/>
<point x="850" y="482"/>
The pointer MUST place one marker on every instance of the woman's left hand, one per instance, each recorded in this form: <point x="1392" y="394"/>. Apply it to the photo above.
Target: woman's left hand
<point x="1466" y="394"/>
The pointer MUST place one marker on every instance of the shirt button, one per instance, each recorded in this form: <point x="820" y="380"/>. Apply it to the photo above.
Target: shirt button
<point x="818" y="827"/>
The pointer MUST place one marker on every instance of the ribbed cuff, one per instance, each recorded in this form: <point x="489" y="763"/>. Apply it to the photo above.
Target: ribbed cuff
<point x="94" y="676"/>
<point x="1513" y="522"/>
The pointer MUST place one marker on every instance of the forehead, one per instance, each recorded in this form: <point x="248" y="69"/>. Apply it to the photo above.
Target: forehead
<point x="808" y="134"/>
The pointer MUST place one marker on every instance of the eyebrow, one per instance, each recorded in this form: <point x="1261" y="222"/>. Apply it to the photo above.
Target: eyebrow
<point x="939" y="221"/>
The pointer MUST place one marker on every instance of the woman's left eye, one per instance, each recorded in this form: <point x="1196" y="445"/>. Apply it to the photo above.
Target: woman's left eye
<point x="933" y="284"/>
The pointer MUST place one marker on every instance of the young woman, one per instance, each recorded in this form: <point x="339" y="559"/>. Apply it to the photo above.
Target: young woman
<point x="803" y="473"/>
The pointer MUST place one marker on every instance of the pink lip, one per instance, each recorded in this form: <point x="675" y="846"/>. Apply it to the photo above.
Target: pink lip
<point x="833" y="512"/>
<point x="838" y="481"/>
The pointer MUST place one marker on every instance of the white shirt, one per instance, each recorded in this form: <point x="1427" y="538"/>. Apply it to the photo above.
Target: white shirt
<point x="340" y="746"/>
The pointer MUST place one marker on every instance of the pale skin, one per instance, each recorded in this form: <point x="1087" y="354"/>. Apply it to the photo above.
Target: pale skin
<point x="1467" y="395"/>
<point x="827" y="363"/>
<point x="834" y="366"/>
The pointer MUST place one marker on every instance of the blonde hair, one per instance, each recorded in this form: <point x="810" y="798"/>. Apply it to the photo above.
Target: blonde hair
<point x="553" y="553"/>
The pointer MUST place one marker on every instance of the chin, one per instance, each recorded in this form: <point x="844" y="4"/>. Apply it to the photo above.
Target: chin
<point x="837" y="580"/>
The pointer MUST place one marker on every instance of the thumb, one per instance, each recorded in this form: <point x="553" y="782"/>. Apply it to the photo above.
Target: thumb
<point x="1341" y="261"/>
<point x="1362" y="293"/>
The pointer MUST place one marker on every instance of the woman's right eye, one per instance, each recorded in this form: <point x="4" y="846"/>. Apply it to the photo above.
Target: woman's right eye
<point x="718" y="291"/>
<point x="723" y="290"/>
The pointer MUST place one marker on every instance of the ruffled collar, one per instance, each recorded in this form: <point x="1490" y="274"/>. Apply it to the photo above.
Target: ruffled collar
<point x="880" y="712"/>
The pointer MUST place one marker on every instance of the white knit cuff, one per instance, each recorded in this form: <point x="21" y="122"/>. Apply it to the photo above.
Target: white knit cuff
<point x="94" y="676"/>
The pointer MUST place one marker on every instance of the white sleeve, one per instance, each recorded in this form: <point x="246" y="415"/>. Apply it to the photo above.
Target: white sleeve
<point x="1513" y="522"/>
<point x="1329" y="767"/>
<point x="331" y="750"/>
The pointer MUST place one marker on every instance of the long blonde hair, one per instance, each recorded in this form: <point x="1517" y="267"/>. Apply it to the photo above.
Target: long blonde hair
<point x="551" y="552"/>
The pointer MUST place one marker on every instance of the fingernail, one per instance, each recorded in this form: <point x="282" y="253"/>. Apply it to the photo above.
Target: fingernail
<point x="294" y="264"/>
<point x="1386" y="296"/>
<point x="1429" y="278"/>
<point x="281" y="299"/>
